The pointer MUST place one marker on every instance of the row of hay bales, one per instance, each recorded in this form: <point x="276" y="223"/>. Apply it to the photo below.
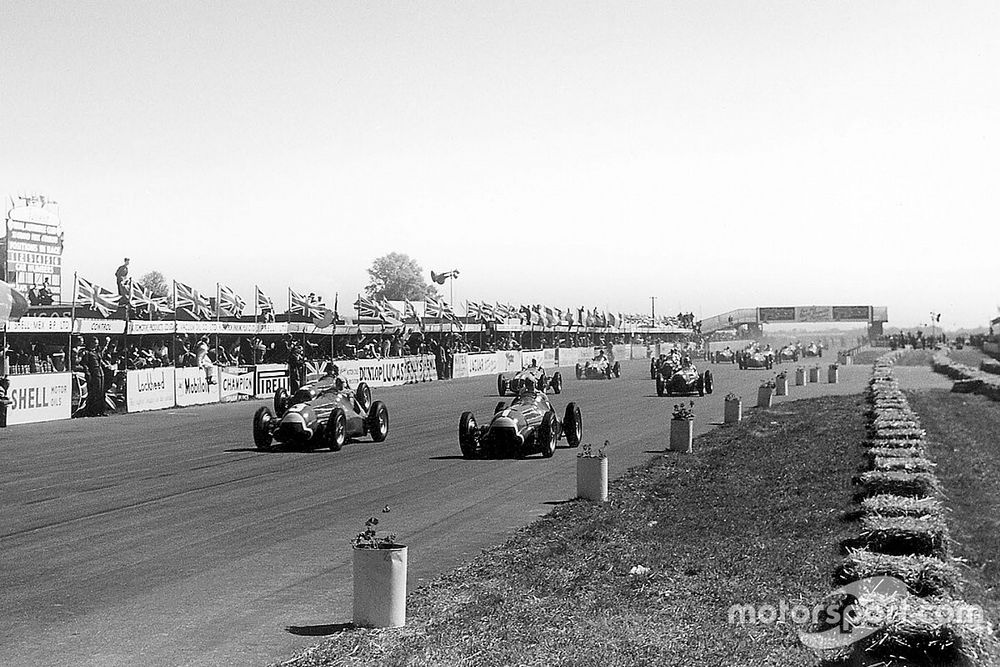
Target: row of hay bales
<point x="968" y="380"/>
<point x="904" y="534"/>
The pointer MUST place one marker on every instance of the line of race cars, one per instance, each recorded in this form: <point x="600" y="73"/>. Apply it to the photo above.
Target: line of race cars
<point x="755" y="356"/>
<point x="327" y="412"/>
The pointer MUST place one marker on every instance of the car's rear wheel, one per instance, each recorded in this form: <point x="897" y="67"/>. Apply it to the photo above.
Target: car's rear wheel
<point x="467" y="435"/>
<point x="709" y="382"/>
<point x="573" y="425"/>
<point x="378" y="421"/>
<point x="501" y="385"/>
<point x="336" y="429"/>
<point x="618" y="369"/>
<point x="262" y="421"/>
<point x="659" y="386"/>
<point x="700" y="384"/>
<point x="281" y="401"/>
<point x="557" y="382"/>
<point x="363" y="394"/>
<point x="546" y="435"/>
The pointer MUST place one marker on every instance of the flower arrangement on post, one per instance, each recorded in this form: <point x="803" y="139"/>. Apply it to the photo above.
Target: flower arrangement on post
<point x="379" y="578"/>
<point x="682" y="411"/>
<point x="592" y="473"/>
<point x="733" y="409"/>
<point x="682" y="428"/>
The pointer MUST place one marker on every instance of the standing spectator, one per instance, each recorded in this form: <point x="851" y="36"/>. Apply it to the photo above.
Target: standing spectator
<point x="121" y="277"/>
<point x="94" y="375"/>
<point x="296" y="368"/>
<point x="45" y="297"/>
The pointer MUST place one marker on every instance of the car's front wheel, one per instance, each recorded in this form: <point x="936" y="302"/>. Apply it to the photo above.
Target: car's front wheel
<point x="573" y="425"/>
<point x="336" y="430"/>
<point x="545" y="436"/>
<point x="262" y="432"/>
<point x="378" y="421"/>
<point x="467" y="435"/>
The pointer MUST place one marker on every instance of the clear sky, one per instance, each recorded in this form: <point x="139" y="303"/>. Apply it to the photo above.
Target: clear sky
<point x="713" y="154"/>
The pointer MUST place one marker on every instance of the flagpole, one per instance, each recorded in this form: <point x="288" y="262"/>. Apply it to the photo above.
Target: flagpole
<point x="173" y="338"/>
<point x="70" y="362"/>
<point x="256" y="302"/>
<point x="218" y="317"/>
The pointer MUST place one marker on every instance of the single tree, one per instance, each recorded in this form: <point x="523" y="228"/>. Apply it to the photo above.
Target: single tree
<point x="155" y="284"/>
<point x="397" y="276"/>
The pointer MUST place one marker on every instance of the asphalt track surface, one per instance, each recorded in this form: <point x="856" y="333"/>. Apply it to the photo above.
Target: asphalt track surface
<point x="165" y="538"/>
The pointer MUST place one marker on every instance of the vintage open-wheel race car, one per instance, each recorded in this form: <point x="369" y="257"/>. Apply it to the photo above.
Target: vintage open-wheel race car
<point x="529" y="425"/>
<point x="533" y="377"/>
<point x="684" y="380"/>
<point x="326" y="413"/>
<point x="598" y="368"/>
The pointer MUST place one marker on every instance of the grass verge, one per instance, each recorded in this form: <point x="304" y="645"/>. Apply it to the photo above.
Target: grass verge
<point x="752" y="517"/>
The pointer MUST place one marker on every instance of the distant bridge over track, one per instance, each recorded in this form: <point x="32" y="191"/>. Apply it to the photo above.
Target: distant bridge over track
<point x="753" y="318"/>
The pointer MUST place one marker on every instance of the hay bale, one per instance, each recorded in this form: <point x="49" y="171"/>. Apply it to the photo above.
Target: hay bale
<point x="905" y="535"/>
<point x="893" y="443"/>
<point x="936" y="630"/>
<point x="923" y="575"/>
<point x="898" y="483"/>
<point x="901" y="452"/>
<point x="907" y="464"/>
<point x="890" y="505"/>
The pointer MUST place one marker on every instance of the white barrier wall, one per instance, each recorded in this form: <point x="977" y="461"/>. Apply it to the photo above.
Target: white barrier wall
<point x="621" y="352"/>
<point x="640" y="352"/>
<point x="527" y="356"/>
<point x="40" y="398"/>
<point x="571" y="356"/>
<point x="485" y="363"/>
<point x="269" y="377"/>
<point x="236" y="383"/>
<point x="509" y="361"/>
<point x="149" y="389"/>
<point x="389" y="372"/>
<point x="195" y="386"/>
<point x="460" y="365"/>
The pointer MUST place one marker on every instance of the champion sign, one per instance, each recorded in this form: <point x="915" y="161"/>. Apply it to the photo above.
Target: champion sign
<point x="236" y="383"/>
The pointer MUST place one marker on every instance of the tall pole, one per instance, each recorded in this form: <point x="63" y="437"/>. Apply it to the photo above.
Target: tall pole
<point x="652" y="301"/>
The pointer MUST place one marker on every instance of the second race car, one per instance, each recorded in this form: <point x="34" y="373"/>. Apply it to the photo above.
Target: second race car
<point x="325" y="413"/>
<point x="684" y="380"/>
<point x="530" y="425"/>
<point x="532" y="376"/>
<point x="599" y="368"/>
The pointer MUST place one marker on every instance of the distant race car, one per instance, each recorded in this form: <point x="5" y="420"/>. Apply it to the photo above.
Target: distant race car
<point x="813" y="350"/>
<point x="598" y="368"/>
<point x="534" y="377"/>
<point x="756" y="359"/>
<point x="788" y="353"/>
<point x="725" y="356"/>
<point x="325" y="413"/>
<point x="683" y="380"/>
<point x="528" y="426"/>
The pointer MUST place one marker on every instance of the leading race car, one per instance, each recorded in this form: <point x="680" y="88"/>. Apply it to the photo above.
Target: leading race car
<point x="528" y="426"/>
<point x="533" y="377"/>
<point x="325" y="413"/>
<point x="684" y="380"/>
<point x="598" y="368"/>
<point x="665" y="364"/>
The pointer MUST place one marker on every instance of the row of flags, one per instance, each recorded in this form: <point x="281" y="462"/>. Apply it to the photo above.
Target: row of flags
<point x="187" y="300"/>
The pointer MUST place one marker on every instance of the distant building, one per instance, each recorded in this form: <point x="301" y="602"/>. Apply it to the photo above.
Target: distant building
<point x="31" y="247"/>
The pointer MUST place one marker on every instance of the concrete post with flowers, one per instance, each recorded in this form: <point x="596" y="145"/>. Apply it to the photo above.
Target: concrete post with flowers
<point x="682" y="428"/>
<point x="781" y="384"/>
<point x="379" y="566"/>
<point x="765" y="394"/>
<point x="592" y="473"/>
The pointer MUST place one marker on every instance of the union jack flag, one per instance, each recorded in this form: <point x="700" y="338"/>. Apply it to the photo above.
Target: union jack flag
<point x="368" y="308"/>
<point x="142" y="299"/>
<point x="435" y="308"/>
<point x="188" y="299"/>
<point x="301" y="305"/>
<point x="230" y="302"/>
<point x="473" y="310"/>
<point x="410" y="310"/>
<point x="95" y="296"/>
<point x="264" y="303"/>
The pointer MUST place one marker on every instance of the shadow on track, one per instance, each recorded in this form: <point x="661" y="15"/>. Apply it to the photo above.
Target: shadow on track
<point x="319" y="630"/>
